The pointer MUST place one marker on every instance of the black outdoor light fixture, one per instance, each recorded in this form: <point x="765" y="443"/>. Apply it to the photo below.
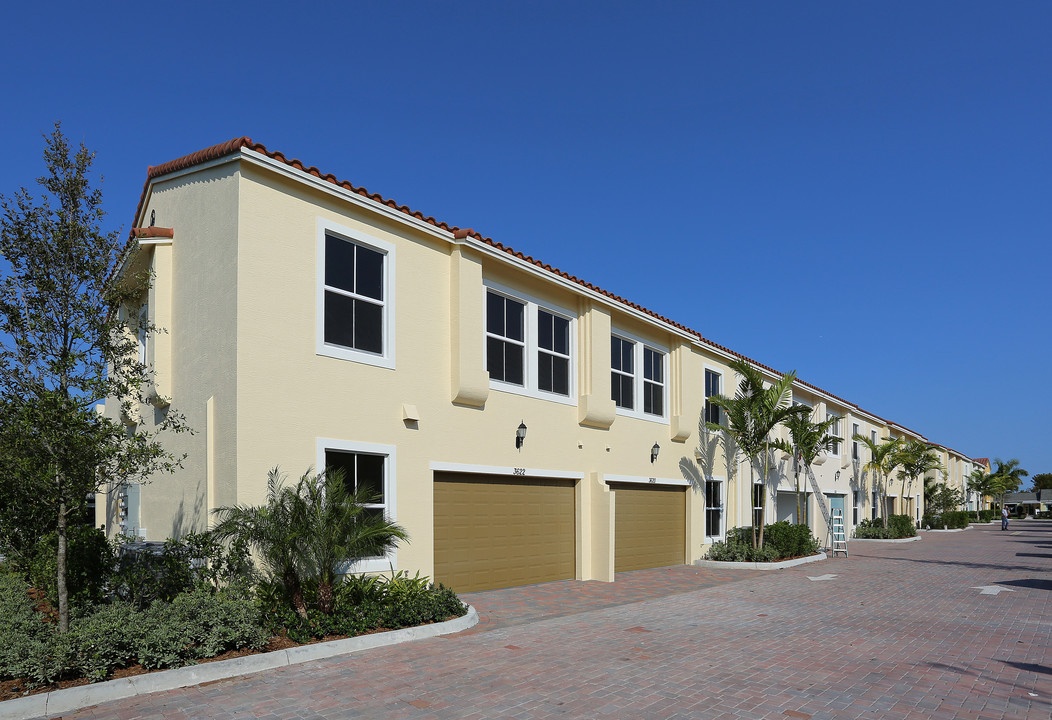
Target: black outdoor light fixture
<point x="837" y="476"/>
<point x="654" y="452"/>
<point x="520" y="436"/>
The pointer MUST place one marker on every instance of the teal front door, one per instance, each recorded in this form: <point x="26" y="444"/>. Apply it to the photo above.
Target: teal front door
<point x="836" y="506"/>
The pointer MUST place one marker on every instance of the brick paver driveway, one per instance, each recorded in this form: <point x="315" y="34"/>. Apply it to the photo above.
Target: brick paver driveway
<point x="901" y="631"/>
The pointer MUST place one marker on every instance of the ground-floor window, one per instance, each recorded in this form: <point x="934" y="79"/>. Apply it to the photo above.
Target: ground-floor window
<point x="757" y="504"/>
<point x="367" y="468"/>
<point x="854" y="506"/>
<point x="713" y="508"/>
<point x="875" y="506"/>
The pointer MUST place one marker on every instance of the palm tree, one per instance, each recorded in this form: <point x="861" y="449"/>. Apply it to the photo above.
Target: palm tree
<point x="981" y="483"/>
<point x="752" y="414"/>
<point x="1007" y="477"/>
<point x="809" y="438"/>
<point x="916" y="459"/>
<point x="309" y="532"/>
<point x="882" y="462"/>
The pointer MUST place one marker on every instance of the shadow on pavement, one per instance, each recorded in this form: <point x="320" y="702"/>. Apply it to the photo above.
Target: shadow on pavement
<point x="1034" y="583"/>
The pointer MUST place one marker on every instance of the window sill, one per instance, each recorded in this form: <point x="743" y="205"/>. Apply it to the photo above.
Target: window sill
<point x="363" y="358"/>
<point x="531" y="393"/>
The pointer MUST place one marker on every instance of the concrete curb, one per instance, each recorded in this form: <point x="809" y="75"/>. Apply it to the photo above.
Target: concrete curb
<point x="759" y="565"/>
<point x="59" y="702"/>
<point x="944" y="531"/>
<point x="890" y="540"/>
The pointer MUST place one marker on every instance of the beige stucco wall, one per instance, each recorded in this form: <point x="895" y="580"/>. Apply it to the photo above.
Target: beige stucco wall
<point x="246" y="372"/>
<point x="192" y="301"/>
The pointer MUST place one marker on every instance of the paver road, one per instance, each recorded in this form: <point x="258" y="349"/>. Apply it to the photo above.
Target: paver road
<point x="900" y="631"/>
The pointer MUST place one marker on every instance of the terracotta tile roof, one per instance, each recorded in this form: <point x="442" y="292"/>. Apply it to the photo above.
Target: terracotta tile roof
<point x="223" y="149"/>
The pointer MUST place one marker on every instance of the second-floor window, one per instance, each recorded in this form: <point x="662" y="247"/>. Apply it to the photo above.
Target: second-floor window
<point x="637" y="377"/>
<point x="355" y="301"/>
<point x="505" y="339"/>
<point x="553" y="353"/>
<point x="854" y="443"/>
<point x="354" y="296"/>
<point x="712" y="387"/>
<point x="529" y="347"/>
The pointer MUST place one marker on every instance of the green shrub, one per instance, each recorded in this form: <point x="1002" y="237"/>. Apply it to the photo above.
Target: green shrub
<point x="104" y="640"/>
<point x="790" y="540"/>
<point x="782" y="540"/>
<point x="89" y="562"/>
<point x="951" y="520"/>
<point x="182" y="564"/>
<point x="871" y="530"/>
<point x="363" y="603"/>
<point x="901" y="526"/>
<point x="987" y="515"/>
<point x="198" y="625"/>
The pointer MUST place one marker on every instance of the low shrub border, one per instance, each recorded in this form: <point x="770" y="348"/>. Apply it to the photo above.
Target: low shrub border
<point x="195" y="626"/>
<point x="782" y="541"/>
<point x="75" y="698"/>
<point x="899" y="527"/>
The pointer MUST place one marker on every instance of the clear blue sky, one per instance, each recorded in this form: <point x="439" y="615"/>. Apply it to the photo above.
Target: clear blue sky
<point x="858" y="191"/>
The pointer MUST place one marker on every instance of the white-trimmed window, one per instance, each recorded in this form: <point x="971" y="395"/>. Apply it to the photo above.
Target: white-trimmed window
<point x="713" y="509"/>
<point x="875" y="505"/>
<point x="529" y="346"/>
<point x="637" y="377"/>
<point x="368" y="467"/>
<point x="855" y="495"/>
<point x="834" y="430"/>
<point x="757" y="504"/>
<point x="713" y="386"/>
<point x="355" y="312"/>
<point x="873" y="436"/>
<point x="505" y="339"/>
<point x="855" y="453"/>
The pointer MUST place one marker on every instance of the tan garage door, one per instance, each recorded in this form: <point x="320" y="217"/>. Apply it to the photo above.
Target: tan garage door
<point x="493" y="532"/>
<point x="649" y="525"/>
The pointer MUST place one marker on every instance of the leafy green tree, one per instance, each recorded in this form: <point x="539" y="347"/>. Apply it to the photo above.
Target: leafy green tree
<point x="1042" y="481"/>
<point x="915" y="459"/>
<point x="309" y="532"/>
<point x="752" y="415"/>
<point x="809" y="438"/>
<point x="64" y="347"/>
<point x="883" y="459"/>
<point x="940" y="498"/>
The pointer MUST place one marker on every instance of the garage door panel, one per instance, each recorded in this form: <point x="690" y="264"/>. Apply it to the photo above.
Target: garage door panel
<point x="493" y="532"/>
<point x="649" y="526"/>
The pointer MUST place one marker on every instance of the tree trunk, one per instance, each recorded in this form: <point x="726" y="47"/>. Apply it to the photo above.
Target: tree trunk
<point x="799" y="495"/>
<point x="60" y="564"/>
<point x="325" y="597"/>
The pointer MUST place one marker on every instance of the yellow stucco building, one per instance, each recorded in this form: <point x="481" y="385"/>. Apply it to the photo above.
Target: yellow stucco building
<point x="522" y="424"/>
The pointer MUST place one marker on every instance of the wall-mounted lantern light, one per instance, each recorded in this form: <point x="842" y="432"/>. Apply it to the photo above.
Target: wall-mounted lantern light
<point x="520" y="436"/>
<point x="654" y="452"/>
<point x="837" y="476"/>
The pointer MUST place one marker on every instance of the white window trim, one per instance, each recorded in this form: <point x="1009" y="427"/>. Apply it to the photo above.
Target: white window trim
<point x="639" y="379"/>
<point x="721" y="374"/>
<point x="387" y="359"/>
<point x="373" y="564"/>
<point x="856" y="446"/>
<point x="722" y="534"/>
<point x="532" y="346"/>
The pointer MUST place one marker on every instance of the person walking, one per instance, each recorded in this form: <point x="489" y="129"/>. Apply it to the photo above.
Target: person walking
<point x="1004" y="518"/>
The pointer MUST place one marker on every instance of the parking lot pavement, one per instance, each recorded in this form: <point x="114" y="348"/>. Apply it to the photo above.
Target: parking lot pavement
<point x="955" y="626"/>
